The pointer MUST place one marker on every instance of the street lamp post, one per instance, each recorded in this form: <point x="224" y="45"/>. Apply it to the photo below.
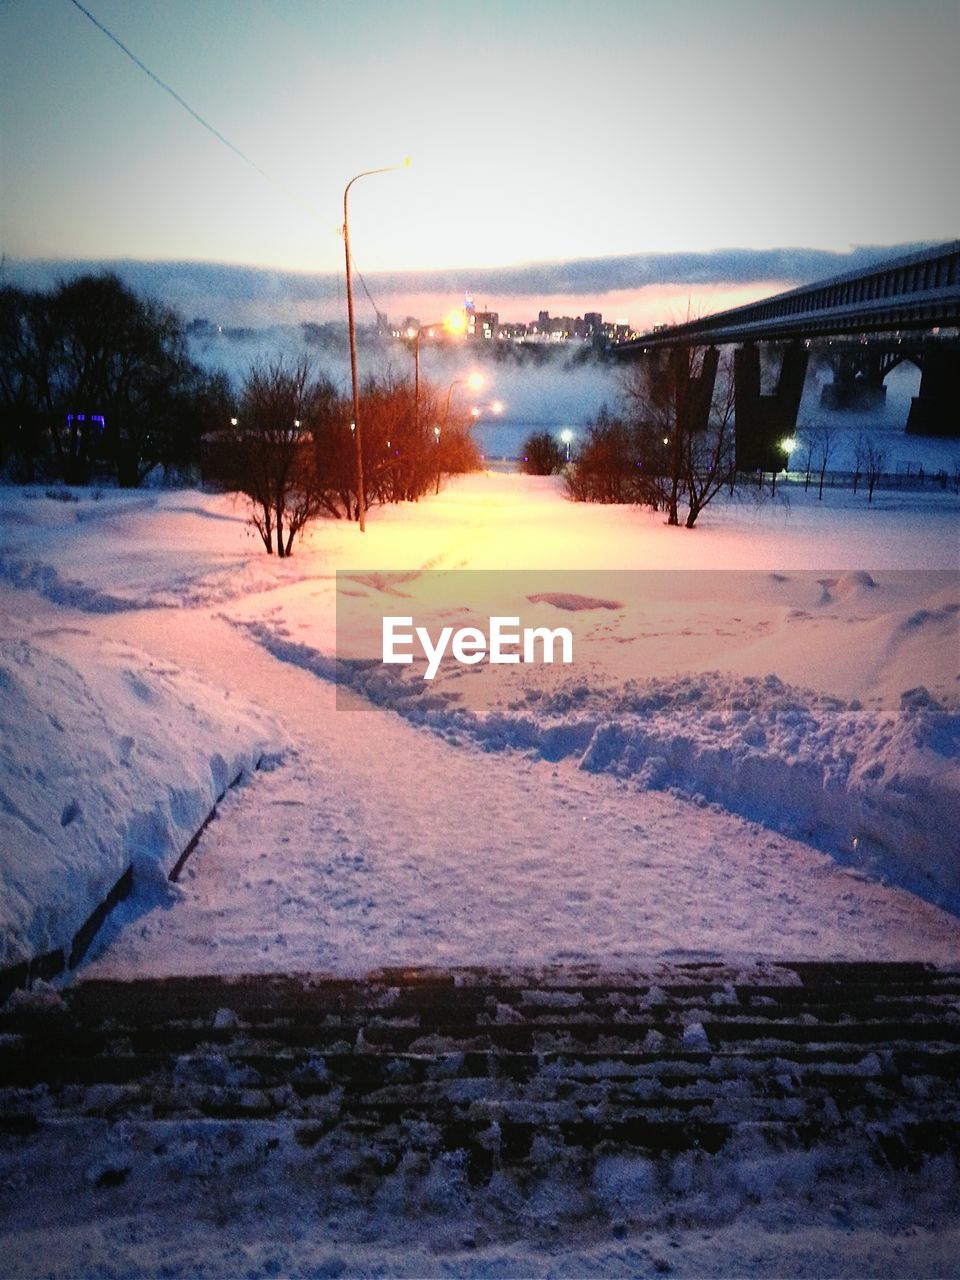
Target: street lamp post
<point x="475" y="381"/>
<point x="361" y="502"/>
<point x="453" y="324"/>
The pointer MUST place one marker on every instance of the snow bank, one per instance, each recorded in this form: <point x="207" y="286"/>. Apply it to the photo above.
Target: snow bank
<point x="879" y="788"/>
<point x="110" y="761"/>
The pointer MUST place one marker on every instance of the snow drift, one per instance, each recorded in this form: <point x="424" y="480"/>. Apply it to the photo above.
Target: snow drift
<point x="110" y="761"/>
<point x="879" y="789"/>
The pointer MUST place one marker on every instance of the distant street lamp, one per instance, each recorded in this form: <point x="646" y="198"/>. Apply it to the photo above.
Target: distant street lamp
<point x="566" y="435"/>
<point x="454" y="323"/>
<point x="355" y="425"/>
<point x="475" y="382"/>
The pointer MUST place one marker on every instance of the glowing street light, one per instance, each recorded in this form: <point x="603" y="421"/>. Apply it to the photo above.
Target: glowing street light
<point x="454" y="323"/>
<point x="474" y="381"/>
<point x="355" y="424"/>
<point x="566" y="435"/>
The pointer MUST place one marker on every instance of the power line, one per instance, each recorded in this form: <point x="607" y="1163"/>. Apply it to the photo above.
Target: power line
<point x="181" y="101"/>
<point x="376" y="309"/>
<point x="138" y="62"/>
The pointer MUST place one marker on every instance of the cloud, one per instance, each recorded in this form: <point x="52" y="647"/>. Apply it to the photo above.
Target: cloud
<point x="235" y="292"/>
<point x="636" y="271"/>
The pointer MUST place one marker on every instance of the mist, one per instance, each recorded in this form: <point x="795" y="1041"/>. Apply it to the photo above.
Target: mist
<point x="236" y="315"/>
<point x="539" y="388"/>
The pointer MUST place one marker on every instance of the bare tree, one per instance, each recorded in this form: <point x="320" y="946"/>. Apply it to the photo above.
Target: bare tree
<point x="607" y="468"/>
<point x="711" y="453"/>
<point x="875" y="459"/>
<point x="808" y="445"/>
<point x="100" y="378"/>
<point x="824" y="450"/>
<point x="24" y="408"/>
<point x="656" y="402"/>
<point x="859" y="458"/>
<point x="543" y="455"/>
<point x="279" y="409"/>
<point x="680" y="406"/>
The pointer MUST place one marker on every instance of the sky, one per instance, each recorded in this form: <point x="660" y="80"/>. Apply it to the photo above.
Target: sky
<point x="539" y="134"/>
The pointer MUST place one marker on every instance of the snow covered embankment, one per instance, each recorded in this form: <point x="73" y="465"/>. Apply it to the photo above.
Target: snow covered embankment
<point x="109" y="763"/>
<point x="879" y="789"/>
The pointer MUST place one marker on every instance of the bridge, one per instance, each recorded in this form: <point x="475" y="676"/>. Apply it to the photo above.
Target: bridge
<point x="864" y="322"/>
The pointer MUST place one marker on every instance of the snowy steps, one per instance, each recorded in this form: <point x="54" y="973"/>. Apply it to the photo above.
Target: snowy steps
<point x="502" y="1067"/>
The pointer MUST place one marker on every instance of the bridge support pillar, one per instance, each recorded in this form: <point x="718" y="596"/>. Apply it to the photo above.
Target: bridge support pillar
<point x="936" y="410"/>
<point x="693" y="390"/>
<point x="857" y="381"/>
<point x="762" y="421"/>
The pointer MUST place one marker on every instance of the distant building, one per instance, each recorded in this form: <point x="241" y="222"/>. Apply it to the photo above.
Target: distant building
<point x="483" y="325"/>
<point x="514" y="332"/>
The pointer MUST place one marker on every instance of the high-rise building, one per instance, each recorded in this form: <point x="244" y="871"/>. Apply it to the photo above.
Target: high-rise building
<point x="486" y="325"/>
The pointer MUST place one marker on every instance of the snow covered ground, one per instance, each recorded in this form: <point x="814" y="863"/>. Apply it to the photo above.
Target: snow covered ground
<point x="761" y="762"/>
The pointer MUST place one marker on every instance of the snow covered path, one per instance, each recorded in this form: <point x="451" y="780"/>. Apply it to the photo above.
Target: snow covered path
<point x="379" y="843"/>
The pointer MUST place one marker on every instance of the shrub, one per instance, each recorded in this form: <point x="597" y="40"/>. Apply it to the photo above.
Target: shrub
<point x="543" y="455"/>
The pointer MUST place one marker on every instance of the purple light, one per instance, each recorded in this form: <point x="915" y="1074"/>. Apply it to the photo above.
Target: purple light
<point x="82" y="417"/>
